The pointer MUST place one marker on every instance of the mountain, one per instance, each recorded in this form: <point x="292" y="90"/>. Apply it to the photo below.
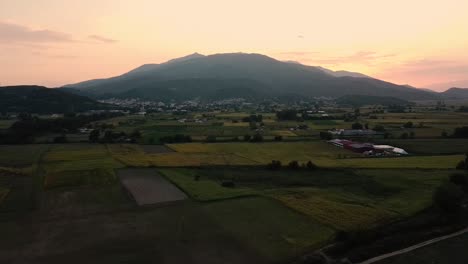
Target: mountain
<point x="455" y="93"/>
<point x="224" y="76"/>
<point x="42" y="100"/>
<point x="343" y="73"/>
<point x="361" y="100"/>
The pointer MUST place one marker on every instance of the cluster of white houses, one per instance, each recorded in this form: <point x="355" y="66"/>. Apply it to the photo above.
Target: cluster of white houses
<point x="368" y="148"/>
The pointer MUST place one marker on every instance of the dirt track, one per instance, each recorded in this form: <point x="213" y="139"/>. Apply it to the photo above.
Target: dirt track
<point x="148" y="187"/>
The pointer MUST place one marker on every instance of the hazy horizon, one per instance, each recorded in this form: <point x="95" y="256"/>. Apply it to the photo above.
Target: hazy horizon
<point x="53" y="43"/>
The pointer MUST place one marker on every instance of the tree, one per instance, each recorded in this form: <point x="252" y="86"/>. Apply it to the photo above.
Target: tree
<point x="25" y="116"/>
<point x="311" y="166"/>
<point x="357" y="125"/>
<point x="135" y="134"/>
<point x="94" y="135"/>
<point x="60" y="139"/>
<point x="257" y="138"/>
<point x="325" y="135"/>
<point x="379" y="128"/>
<point x="287" y="115"/>
<point x="408" y="125"/>
<point x="293" y="165"/>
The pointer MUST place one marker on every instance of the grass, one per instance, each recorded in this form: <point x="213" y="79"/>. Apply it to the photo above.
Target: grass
<point x="321" y="153"/>
<point x="77" y="165"/>
<point x="204" y="189"/>
<point x="4" y="124"/>
<point x="431" y="146"/>
<point x="94" y="177"/>
<point x="3" y="193"/>
<point x="412" y="162"/>
<point x="268" y="227"/>
<point x="176" y="159"/>
<point x="20" y="155"/>
<point x="451" y="251"/>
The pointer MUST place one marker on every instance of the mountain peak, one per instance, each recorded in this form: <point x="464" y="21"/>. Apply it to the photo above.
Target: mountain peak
<point x="188" y="57"/>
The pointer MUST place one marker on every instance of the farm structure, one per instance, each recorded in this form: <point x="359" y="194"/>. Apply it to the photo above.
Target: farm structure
<point x="368" y="148"/>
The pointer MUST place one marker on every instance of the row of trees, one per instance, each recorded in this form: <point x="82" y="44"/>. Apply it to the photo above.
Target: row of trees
<point x="109" y="136"/>
<point x="293" y="165"/>
<point x="28" y="127"/>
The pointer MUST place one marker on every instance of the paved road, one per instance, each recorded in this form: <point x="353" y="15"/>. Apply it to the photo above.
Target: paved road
<point x="420" y="245"/>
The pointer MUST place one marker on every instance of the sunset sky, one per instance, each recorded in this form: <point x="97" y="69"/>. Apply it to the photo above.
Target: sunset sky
<point x="423" y="43"/>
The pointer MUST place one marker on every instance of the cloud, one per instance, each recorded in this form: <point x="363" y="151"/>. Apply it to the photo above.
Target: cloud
<point x="298" y="53"/>
<point x="102" y="39"/>
<point x="361" y="57"/>
<point x="14" y="33"/>
<point x="428" y="72"/>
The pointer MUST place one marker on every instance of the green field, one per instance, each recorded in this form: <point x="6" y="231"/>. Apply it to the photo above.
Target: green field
<point x="203" y="189"/>
<point x="20" y="155"/>
<point x="78" y="164"/>
<point x="342" y="200"/>
<point x="431" y="146"/>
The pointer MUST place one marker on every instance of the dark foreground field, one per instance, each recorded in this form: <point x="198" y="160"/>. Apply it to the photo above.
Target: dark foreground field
<point x="453" y="251"/>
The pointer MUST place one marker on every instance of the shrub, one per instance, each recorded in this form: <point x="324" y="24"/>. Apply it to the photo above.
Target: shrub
<point x="247" y="137"/>
<point x="459" y="179"/>
<point x="404" y="136"/>
<point x="326" y="135"/>
<point x="448" y="197"/>
<point x="461" y="165"/>
<point x="227" y="184"/>
<point x="357" y="126"/>
<point x="379" y="128"/>
<point x="278" y="138"/>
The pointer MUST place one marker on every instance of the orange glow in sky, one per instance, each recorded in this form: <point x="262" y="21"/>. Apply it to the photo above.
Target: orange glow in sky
<point x="54" y="42"/>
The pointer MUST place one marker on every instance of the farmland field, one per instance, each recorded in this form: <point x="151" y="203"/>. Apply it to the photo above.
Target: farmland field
<point x="220" y="199"/>
<point x="203" y="189"/>
<point x="20" y="155"/>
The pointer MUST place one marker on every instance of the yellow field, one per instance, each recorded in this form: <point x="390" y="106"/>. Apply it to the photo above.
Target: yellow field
<point x="130" y="155"/>
<point x="321" y="153"/>
<point x="339" y="215"/>
<point x="176" y="159"/>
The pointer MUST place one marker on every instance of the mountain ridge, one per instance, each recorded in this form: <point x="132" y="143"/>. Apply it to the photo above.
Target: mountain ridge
<point x="275" y="78"/>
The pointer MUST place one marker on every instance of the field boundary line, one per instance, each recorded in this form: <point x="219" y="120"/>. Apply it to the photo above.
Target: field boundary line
<point x="414" y="247"/>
